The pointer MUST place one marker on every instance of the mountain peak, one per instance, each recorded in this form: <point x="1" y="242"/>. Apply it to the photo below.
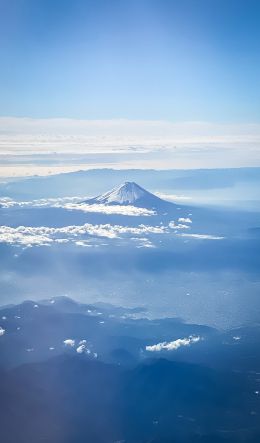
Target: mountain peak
<point x="125" y="194"/>
<point x="128" y="193"/>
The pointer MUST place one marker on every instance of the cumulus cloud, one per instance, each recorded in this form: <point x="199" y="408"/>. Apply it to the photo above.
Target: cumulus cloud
<point x="173" y="225"/>
<point x="69" y="342"/>
<point x="44" y="236"/>
<point x="2" y="331"/>
<point x="143" y="242"/>
<point x="81" y="349"/>
<point x="115" y="209"/>
<point x="82" y="235"/>
<point x="75" y="204"/>
<point x="173" y="345"/>
<point x="6" y="202"/>
<point x="184" y="220"/>
<point x="19" y="236"/>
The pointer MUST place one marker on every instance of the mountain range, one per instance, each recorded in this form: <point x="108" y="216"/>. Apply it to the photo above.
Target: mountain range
<point x="72" y="372"/>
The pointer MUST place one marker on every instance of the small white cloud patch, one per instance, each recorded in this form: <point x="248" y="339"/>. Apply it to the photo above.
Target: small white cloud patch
<point x="80" y="349"/>
<point x="69" y="342"/>
<point x="172" y="345"/>
<point x="184" y="220"/>
<point x="178" y="226"/>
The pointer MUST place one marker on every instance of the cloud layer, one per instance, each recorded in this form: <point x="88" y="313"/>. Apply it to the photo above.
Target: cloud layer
<point x="156" y="144"/>
<point x="80" y="235"/>
<point x="43" y="236"/>
<point x="74" y="204"/>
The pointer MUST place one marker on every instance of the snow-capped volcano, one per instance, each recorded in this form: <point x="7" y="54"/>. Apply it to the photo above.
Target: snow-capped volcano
<point x="129" y="193"/>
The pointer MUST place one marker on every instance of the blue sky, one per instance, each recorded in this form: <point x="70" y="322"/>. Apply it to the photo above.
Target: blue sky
<point x="176" y="60"/>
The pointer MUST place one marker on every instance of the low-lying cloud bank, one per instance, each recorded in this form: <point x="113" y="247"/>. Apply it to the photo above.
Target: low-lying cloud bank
<point x="115" y="209"/>
<point x="74" y="204"/>
<point x="29" y="236"/>
<point x="173" y="345"/>
<point x="42" y="236"/>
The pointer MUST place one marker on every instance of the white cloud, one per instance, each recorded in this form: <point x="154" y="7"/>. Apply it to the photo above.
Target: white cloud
<point x="143" y="242"/>
<point x="184" y="220"/>
<point x="201" y="236"/>
<point x="75" y="135"/>
<point x="172" y="225"/>
<point x="174" y="145"/>
<point x="2" y="331"/>
<point x="6" y="202"/>
<point x="81" y="349"/>
<point x="69" y="342"/>
<point x="113" y="209"/>
<point x="84" y="244"/>
<point x="172" y="345"/>
<point x="75" y="204"/>
<point x="83" y="235"/>
<point x="172" y="197"/>
<point x="44" y="236"/>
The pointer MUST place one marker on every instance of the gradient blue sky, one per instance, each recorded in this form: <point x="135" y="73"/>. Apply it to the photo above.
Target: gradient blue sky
<point x="178" y="60"/>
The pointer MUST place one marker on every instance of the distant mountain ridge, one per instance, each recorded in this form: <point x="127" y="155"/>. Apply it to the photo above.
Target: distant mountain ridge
<point x="130" y="194"/>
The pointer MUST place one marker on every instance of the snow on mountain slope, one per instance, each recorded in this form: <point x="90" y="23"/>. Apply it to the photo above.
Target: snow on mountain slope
<point x="130" y="193"/>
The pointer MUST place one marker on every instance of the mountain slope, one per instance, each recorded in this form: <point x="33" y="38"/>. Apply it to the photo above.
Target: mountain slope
<point x="158" y="401"/>
<point x="130" y="193"/>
